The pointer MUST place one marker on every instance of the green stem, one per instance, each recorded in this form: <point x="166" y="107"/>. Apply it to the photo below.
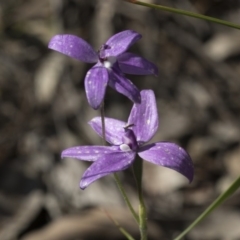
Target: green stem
<point x="119" y="184"/>
<point x="137" y="171"/>
<point x="224" y="196"/>
<point x="121" y="189"/>
<point x="186" y="13"/>
<point x="121" y="229"/>
<point x="125" y="233"/>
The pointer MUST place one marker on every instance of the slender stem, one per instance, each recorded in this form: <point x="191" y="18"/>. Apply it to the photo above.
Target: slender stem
<point x="186" y="13"/>
<point x="224" y="196"/>
<point x="121" y="229"/>
<point x="121" y="189"/>
<point x="142" y="217"/>
<point x="137" y="172"/>
<point x="119" y="184"/>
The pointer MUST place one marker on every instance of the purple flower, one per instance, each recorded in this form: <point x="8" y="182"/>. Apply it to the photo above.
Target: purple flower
<point x="127" y="140"/>
<point x="111" y="60"/>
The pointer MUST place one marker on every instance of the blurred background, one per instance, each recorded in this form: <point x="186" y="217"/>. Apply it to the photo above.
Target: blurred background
<point x="43" y="110"/>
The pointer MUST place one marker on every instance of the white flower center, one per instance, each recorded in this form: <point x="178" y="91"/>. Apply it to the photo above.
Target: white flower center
<point x="109" y="62"/>
<point x="125" y="148"/>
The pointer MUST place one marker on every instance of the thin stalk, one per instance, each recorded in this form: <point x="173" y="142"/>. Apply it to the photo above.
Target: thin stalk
<point x="121" y="229"/>
<point x="186" y="13"/>
<point x="119" y="184"/>
<point x="224" y="196"/>
<point x="137" y="172"/>
<point x="121" y="189"/>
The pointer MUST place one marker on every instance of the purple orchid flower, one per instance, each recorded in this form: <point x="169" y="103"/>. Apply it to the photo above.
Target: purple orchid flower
<point x="127" y="140"/>
<point x="112" y="61"/>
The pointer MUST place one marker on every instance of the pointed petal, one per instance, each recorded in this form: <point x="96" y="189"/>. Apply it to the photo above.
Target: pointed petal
<point x="119" y="43"/>
<point x="133" y="64"/>
<point x="73" y="47"/>
<point x="95" y="85"/>
<point x="114" y="129"/>
<point x="169" y="155"/>
<point x="124" y="86"/>
<point x="144" y="116"/>
<point x="107" y="164"/>
<point x="87" y="153"/>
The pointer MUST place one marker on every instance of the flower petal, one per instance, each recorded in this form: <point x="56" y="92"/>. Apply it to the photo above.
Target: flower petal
<point x="114" y="129"/>
<point x="133" y="64"/>
<point x="144" y="116"/>
<point x="107" y="164"/>
<point x="119" y="43"/>
<point x="87" y="153"/>
<point x="95" y="85"/>
<point x="169" y="155"/>
<point x="124" y="86"/>
<point x="73" y="47"/>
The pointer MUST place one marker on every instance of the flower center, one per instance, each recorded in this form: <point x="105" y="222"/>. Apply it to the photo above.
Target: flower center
<point x="108" y="63"/>
<point x="129" y="140"/>
<point x="125" y="148"/>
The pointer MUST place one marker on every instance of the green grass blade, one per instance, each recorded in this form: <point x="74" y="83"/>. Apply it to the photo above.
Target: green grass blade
<point x="224" y="196"/>
<point x="186" y="13"/>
